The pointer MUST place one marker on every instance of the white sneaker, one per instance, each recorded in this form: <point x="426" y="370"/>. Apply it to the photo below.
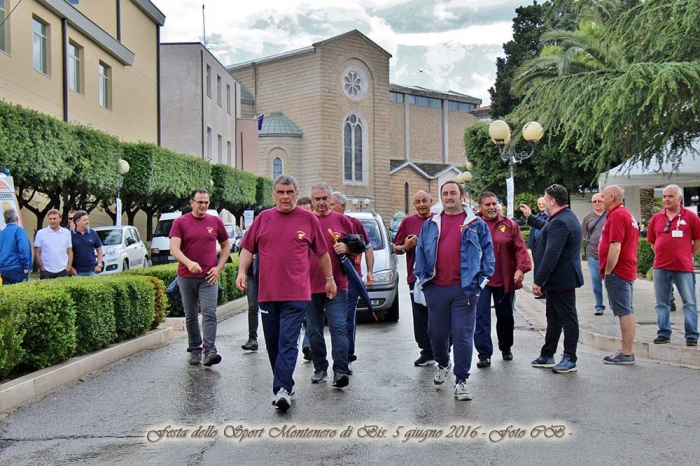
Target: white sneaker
<point x="283" y="400"/>
<point x="441" y="375"/>
<point x="462" y="392"/>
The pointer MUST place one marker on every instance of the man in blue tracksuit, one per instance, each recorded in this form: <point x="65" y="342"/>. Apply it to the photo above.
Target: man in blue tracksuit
<point x="15" y="251"/>
<point x="454" y="261"/>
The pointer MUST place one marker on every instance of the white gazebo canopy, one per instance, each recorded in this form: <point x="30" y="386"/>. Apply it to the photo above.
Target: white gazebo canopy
<point x="633" y="177"/>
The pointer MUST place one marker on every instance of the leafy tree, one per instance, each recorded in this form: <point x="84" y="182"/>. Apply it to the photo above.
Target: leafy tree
<point x="527" y="29"/>
<point x="647" y="110"/>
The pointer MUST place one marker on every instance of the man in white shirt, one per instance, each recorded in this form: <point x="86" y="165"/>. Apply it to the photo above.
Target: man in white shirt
<point x="53" y="248"/>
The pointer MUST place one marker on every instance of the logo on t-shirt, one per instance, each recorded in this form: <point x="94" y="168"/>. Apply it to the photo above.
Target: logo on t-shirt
<point x="301" y="235"/>
<point x="336" y="236"/>
<point x="502" y="228"/>
<point x="210" y="229"/>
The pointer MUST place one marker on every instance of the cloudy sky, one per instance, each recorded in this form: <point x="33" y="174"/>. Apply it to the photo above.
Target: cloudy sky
<point x="439" y="44"/>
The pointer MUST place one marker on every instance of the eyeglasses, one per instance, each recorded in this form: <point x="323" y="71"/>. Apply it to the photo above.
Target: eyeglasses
<point x="201" y="202"/>
<point x="70" y="219"/>
<point x="667" y="226"/>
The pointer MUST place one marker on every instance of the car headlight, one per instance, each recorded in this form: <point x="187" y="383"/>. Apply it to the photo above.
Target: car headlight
<point x="155" y="251"/>
<point x="383" y="276"/>
<point x="111" y="253"/>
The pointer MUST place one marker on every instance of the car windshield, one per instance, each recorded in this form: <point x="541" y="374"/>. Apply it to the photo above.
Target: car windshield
<point x="373" y="232"/>
<point x="163" y="228"/>
<point x="110" y="237"/>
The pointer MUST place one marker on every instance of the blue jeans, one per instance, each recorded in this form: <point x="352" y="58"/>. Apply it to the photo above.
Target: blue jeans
<point x="351" y="323"/>
<point x="281" y="321"/>
<point x="10" y="277"/>
<point x="663" y="289"/>
<point x="451" y="311"/>
<point x="335" y="311"/>
<point x="89" y="273"/>
<point x="596" y="282"/>
<point x="505" y="323"/>
<point x="198" y="294"/>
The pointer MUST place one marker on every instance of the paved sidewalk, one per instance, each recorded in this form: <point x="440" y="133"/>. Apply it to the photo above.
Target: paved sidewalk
<point x="603" y="332"/>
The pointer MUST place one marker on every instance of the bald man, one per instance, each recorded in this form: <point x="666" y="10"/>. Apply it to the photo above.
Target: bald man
<point x="405" y="243"/>
<point x="618" y="267"/>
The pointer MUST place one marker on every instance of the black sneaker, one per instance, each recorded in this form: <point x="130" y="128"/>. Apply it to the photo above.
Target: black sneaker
<point x="482" y="363"/>
<point x="250" y="345"/>
<point x="340" y="379"/>
<point x="211" y="359"/>
<point x="661" y="340"/>
<point x="691" y="342"/>
<point x="195" y="358"/>
<point x="424" y="361"/>
<point x="507" y="355"/>
<point x="307" y="353"/>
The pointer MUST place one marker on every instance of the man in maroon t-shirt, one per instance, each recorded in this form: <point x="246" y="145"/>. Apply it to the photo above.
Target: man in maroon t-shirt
<point x="286" y="240"/>
<point x="193" y="240"/>
<point x="338" y="203"/>
<point x="617" y="253"/>
<point x="405" y="241"/>
<point x="334" y="308"/>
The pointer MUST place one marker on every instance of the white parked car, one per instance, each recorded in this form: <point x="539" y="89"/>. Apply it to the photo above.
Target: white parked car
<point x="122" y="248"/>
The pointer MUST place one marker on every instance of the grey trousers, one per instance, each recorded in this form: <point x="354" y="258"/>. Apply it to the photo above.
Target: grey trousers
<point x="196" y="291"/>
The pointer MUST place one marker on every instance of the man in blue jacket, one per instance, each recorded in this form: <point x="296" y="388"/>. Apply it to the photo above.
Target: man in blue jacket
<point x="15" y="251"/>
<point x="557" y="256"/>
<point x="454" y="261"/>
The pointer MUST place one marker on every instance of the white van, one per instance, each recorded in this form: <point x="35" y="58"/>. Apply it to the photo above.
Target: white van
<point x="160" y="243"/>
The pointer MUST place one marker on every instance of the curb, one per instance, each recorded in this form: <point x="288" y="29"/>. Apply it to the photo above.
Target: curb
<point x="17" y="392"/>
<point x="533" y="312"/>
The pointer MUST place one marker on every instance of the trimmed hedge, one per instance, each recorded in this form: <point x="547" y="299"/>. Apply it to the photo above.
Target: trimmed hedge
<point x="133" y="305"/>
<point x="49" y="323"/>
<point x="43" y="323"/>
<point x="12" y="332"/>
<point x="95" y="325"/>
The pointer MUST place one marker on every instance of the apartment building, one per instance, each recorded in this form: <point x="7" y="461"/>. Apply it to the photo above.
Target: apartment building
<point x="201" y="103"/>
<point x="93" y="62"/>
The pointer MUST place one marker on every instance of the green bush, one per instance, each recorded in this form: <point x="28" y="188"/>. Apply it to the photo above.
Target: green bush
<point x="133" y="305"/>
<point x="166" y="273"/>
<point x="645" y="256"/>
<point x="49" y="324"/>
<point x="160" y="301"/>
<point x="95" y="325"/>
<point x="12" y="332"/>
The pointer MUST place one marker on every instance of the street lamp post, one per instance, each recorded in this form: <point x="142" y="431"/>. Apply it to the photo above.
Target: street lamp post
<point x="123" y="169"/>
<point x="362" y="205"/>
<point x="465" y="178"/>
<point x="501" y="135"/>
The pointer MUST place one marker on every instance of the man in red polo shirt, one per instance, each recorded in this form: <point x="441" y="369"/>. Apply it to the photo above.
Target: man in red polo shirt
<point x="617" y="253"/>
<point x="674" y="233"/>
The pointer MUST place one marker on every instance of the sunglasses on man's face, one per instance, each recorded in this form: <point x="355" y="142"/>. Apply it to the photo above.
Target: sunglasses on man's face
<point x="70" y="219"/>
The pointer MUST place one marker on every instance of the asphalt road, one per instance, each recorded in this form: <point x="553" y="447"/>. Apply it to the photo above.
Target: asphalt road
<point x="390" y="414"/>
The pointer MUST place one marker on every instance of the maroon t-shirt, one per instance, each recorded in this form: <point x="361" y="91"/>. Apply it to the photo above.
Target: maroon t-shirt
<point x="198" y="238"/>
<point x="620" y="227"/>
<point x="449" y="250"/>
<point x="410" y="225"/>
<point x="340" y="225"/>
<point x="285" y="243"/>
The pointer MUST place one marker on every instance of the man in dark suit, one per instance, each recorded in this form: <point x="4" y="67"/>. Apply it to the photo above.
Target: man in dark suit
<point x="557" y="257"/>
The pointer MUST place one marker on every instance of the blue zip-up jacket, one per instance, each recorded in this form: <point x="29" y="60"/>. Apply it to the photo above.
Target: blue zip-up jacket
<point x="15" y="249"/>
<point x="477" y="261"/>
